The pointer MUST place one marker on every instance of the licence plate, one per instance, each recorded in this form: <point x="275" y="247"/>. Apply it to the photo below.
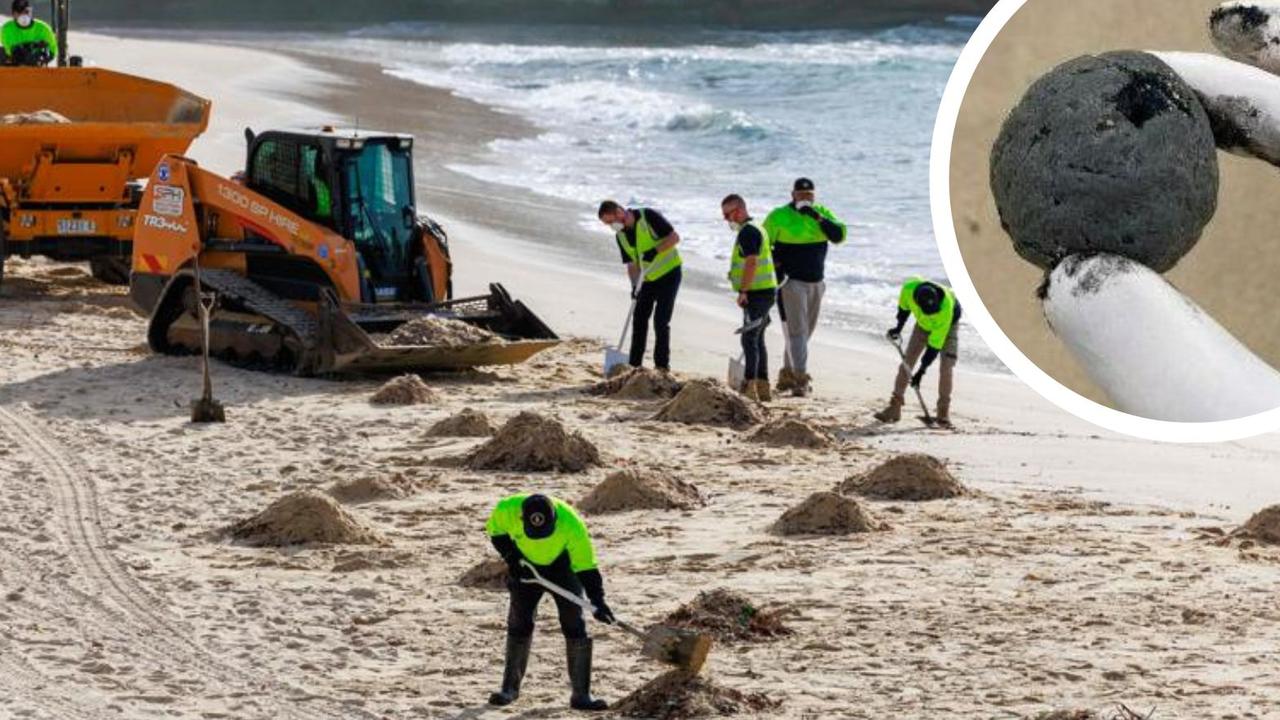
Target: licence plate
<point x="77" y="227"/>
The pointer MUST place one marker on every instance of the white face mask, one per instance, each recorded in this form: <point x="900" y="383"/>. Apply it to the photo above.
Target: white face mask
<point x="735" y="226"/>
<point x="24" y="20"/>
<point x="802" y="204"/>
<point x="617" y="226"/>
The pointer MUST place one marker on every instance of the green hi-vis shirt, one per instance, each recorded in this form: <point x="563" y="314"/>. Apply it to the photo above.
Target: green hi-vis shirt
<point x="938" y="325"/>
<point x="13" y="36"/>
<point x="788" y="226"/>
<point x="570" y="534"/>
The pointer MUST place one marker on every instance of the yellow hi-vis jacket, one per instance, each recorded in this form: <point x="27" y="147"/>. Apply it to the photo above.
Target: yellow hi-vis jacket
<point x="662" y="264"/>
<point x="938" y="325"/>
<point x="765" y="278"/>
<point x="569" y="536"/>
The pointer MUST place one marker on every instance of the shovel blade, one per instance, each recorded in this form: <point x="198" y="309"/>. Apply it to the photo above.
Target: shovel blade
<point x="207" y="410"/>
<point x="614" y="358"/>
<point x="684" y="648"/>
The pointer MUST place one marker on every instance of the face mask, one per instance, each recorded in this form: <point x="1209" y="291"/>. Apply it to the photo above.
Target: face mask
<point x="24" y="21"/>
<point x="617" y="226"/>
<point x="735" y="226"/>
<point x="802" y="204"/>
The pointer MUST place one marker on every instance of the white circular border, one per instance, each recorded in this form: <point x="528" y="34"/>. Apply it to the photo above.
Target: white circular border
<point x="977" y="313"/>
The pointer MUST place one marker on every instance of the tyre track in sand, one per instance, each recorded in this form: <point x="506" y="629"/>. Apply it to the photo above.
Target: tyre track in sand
<point x="119" y="595"/>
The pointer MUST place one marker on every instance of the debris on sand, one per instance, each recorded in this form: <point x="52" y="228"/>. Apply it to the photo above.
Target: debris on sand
<point x="1067" y="715"/>
<point x="638" y="384"/>
<point x="1263" y="527"/>
<point x="792" y="432"/>
<point x="679" y="694"/>
<point x="912" y="477"/>
<point x="530" y="442"/>
<point x="633" y="489"/>
<point x="709" y="402"/>
<point x="39" y="117"/>
<point x="488" y="575"/>
<point x="303" y="517"/>
<point x="827" y="513"/>
<point x="729" y="617"/>
<point x="404" y="390"/>
<point x="372" y="488"/>
<point x="435" y="331"/>
<point x="468" y="423"/>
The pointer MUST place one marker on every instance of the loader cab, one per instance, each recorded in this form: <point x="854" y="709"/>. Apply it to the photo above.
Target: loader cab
<point x="359" y="185"/>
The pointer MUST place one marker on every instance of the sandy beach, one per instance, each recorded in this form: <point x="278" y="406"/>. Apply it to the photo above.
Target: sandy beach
<point x="1081" y="570"/>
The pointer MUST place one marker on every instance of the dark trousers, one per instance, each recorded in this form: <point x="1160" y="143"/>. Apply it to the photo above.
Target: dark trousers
<point x="755" y="355"/>
<point x="526" y="596"/>
<point x="657" y="300"/>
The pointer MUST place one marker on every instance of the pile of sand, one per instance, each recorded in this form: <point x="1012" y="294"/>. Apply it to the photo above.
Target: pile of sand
<point x="39" y="117"/>
<point x="633" y="489"/>
<point x="679" y="694"/>
<point x="439" y="332"/>
<point x="709" y="402"/>
<point x="468" y="423"/>
<point x="404" y="390"/>
<point x="488" y="575"/>
<point x="303" y="517"/>
<point x="372" y="488"/>
<point x="1263" y="527"/>
<point x="826" y="513"/>
<point x="792" y="432"/>
<point x="637" y="384"/>
<point x="530" y="442"/>
<point x="906" y="477"/>
<point x="729" y="617"/>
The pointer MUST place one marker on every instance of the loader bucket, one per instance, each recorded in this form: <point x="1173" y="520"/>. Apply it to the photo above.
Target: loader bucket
<point x="346" y="344"/>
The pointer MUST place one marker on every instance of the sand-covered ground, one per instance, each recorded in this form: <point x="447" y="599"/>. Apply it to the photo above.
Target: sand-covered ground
<point x="1229" y="271"/>
<point x="1083" y="570"/>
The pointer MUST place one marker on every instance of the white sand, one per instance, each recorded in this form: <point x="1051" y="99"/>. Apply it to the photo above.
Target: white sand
<point x="118" y="599"/>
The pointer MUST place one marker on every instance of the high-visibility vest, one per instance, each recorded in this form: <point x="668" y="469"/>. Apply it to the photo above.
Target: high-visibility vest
<point x="789" y="226"/>
<point x="662" y="264"/>
<point x="938" y="325"/>
<point x="570" y="534"/>
<point x="765" y="278"/>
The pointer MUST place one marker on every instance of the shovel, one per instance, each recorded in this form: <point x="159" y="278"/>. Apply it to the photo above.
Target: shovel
<point x="685" y="649"/>
<point x="613" y="356"/>
<point x="927" y="419"/>
<point x="206" y="409"/>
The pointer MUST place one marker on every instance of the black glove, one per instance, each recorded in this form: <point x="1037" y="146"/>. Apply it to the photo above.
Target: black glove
<point x="593" y="584"/>
<point x="511" y="555"/>
<point x="809" y="212"/>
<point x="649" y="255"/>
<point x="603" y="613"/>
<point x="895" y="333"/>
<point x="915" y="379"/>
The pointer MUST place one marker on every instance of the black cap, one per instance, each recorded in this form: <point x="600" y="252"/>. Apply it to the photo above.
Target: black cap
<point x="803" y="185"/>
<point x="21" y="5"/>
<point x="539" y="516"/>
<point x="929" y="297"/>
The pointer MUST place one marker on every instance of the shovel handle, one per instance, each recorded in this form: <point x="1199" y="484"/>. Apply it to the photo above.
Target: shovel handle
<point x="903" y="362"/>
<point x="578" y="600"/>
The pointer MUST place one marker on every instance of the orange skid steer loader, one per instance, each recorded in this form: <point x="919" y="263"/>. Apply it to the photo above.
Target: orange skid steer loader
<point x="315" y="255"/>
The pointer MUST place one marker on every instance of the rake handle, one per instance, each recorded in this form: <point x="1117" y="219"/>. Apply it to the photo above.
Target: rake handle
<point x="578" y="600"/>
<point x="923" y="408"/>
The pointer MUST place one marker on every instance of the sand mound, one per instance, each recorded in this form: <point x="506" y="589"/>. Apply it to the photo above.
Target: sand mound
<point x="303" y="517"/>
<point x="39" y="117"/>
<point x="826" y="513"/>
<point x="709" y="402"/>
<point x="372" y="488"/>
<point x="468" y="423"/>
<point x="404" y="390"/>
<point x="792" y="432"/>
<point x="1264" y="526"/>
<point x="533" y="442"/>
<point x="439" y="332"/>
<point x="638" y="384"/>
<point x="633" y="489"/>
<point x="729" y="617"/>
<point x="906" y="477"/>
<point x="678" y="694"/>
<point x="488" y="575"/>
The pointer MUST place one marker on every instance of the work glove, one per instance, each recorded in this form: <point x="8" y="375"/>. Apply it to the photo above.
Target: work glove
<point x="603" y="613"/>
<point x="894" y="334"/>
<point x="593" y="584"/>
<point x="809" y="212"/>
<point x="915" y="379"/>
<point x="649" y="255"/>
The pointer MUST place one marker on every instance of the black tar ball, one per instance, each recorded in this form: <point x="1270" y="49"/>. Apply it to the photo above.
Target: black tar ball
<point x="1110" y="153"/>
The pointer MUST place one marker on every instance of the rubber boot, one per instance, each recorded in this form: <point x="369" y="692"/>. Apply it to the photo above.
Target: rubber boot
<point x="892" y="413"/>
<point x="517" y="662"/>
<point x="578" y="652"/>
<point x="786" y="380"/>
<point x="944" y="414"/>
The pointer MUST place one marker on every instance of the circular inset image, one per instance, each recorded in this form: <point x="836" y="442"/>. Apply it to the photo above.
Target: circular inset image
<point x="1105" y="197"/>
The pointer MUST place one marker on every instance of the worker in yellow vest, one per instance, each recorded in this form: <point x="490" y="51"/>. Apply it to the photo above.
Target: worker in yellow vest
<point x="937" y="330"/>
<point x="550" y="535"/>
<point x="647" y="242"/>
<point x="752" y="276"/>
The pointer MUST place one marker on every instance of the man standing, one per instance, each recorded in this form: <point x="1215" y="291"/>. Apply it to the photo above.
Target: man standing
<point x="937" y="315"/>
<point x="800" y="232"/>
<point x="752" y="275"/>
<point x="551" y="536"/>
<point x="648" y="246"/>
<point x="26" y="40"/>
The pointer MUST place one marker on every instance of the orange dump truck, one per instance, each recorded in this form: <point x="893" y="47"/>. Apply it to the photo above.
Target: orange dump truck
<point x="74" y="143"/>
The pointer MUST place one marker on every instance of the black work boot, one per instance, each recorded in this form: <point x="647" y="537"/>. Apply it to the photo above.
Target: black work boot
<point x="517" y="662"/>
<point x="579" y="654"/>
